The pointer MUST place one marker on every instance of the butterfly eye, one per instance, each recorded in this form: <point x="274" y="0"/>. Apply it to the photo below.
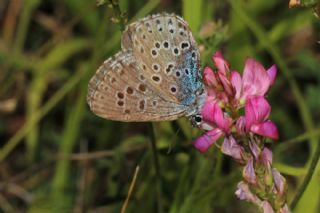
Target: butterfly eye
<point x="196" y="120"/>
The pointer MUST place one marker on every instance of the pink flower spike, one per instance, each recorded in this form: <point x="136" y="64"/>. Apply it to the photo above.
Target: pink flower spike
<point x="257" y="110"/>
<point x="267" y="129"/>
<point x="236" y="82"/>
<point x="204" y="142"/>
<point x="248" y="172"/>
<point x="221" y="119"/>
<point x="209" y="77"/>
<point x="272" y="73"/>
<point x="255" y="79"/>
<point x="221" y="64"/>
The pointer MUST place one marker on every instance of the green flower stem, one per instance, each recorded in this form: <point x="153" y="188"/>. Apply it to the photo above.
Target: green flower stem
<point x="307" y="178"/>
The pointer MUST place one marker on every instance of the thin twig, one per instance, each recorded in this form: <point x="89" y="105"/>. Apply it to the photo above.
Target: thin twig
<point x="99" y="154"/>
<point x="157" y="168"/>
<point x="131" y="187"/>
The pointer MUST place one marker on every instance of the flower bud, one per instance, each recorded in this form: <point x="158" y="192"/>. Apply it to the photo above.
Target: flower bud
<point x="230" y="147"/>
<point x="243" y="193"/>
<point x="267" y="208"/>
<point x="240" y="125"/>
<point x="249" y="173"/>
<point x="280" y="182"/>
<point x="254" y="149"/>
<point x="266" y="156"/>
<point x="268" y="179"/>
<point x="210" y="78"/>
<point x="285" y="209"/>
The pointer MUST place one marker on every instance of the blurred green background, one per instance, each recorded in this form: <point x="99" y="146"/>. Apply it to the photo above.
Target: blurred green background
<point x="56" y="156"/>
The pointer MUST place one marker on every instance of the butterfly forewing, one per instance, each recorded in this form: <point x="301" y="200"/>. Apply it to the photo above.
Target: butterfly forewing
<point x="118" y="92"/>
<point x="167" y="54"/>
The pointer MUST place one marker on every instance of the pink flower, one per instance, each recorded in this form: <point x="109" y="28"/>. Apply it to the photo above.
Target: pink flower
<point x="257" y="111"/>
<point x="214" y="116"/>
<point x="243" y="193"/>
<point x="255" y="80"/>
<point x="249" y="173"/>
<point x="232" y="148"/>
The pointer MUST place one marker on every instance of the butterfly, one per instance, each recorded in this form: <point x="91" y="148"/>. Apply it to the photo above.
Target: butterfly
<point x="155" y="77"/>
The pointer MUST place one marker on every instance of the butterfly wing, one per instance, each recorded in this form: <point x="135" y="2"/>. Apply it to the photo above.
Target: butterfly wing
<point x="118" y="91"/>
<point x="167" y="55"/>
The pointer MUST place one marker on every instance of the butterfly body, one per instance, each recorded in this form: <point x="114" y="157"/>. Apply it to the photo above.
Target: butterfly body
<point x="155" y="77"/>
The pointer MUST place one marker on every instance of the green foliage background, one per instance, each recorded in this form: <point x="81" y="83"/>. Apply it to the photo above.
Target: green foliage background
<point x="56" y="156"/>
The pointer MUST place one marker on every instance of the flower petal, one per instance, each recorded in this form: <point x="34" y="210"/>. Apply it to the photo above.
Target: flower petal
<point x="240" y="125"/>
<point x="267" y="208"/>
<point x="285" y="209"/>
<point x="210" y="78"/>
<point x="221" y="119"/>
<point x="226" y="84"/>
<point x="272" y="73"/>
<point x="267" y="129"/>
<point x="230" y="147"/>
<point x="243" y="193"/>
<point x="207" y="111"/>
<point x="257" y="110"/>
<point x="254" y="149"/>
<point x="221" y="64"/>
<point x="255" y="79"/>
<point x="236" y="82"/>
<point x="266" y="156"/>
<point x="248" y="172"/>
<point x="204" y="142"/>
<point x="280" y="182"/>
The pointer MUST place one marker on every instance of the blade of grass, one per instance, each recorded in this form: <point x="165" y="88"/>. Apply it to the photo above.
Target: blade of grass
<point x="49" y="105"/>
<point x="55" y="58"/>
<point x="28" y="7"/>
<point x="283" y="146"/>
<point x="72" y="128"/>
<point x="192" y="12"/>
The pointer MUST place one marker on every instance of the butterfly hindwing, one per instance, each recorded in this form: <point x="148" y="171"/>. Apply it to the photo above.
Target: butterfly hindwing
<point x="118" y="92"/>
